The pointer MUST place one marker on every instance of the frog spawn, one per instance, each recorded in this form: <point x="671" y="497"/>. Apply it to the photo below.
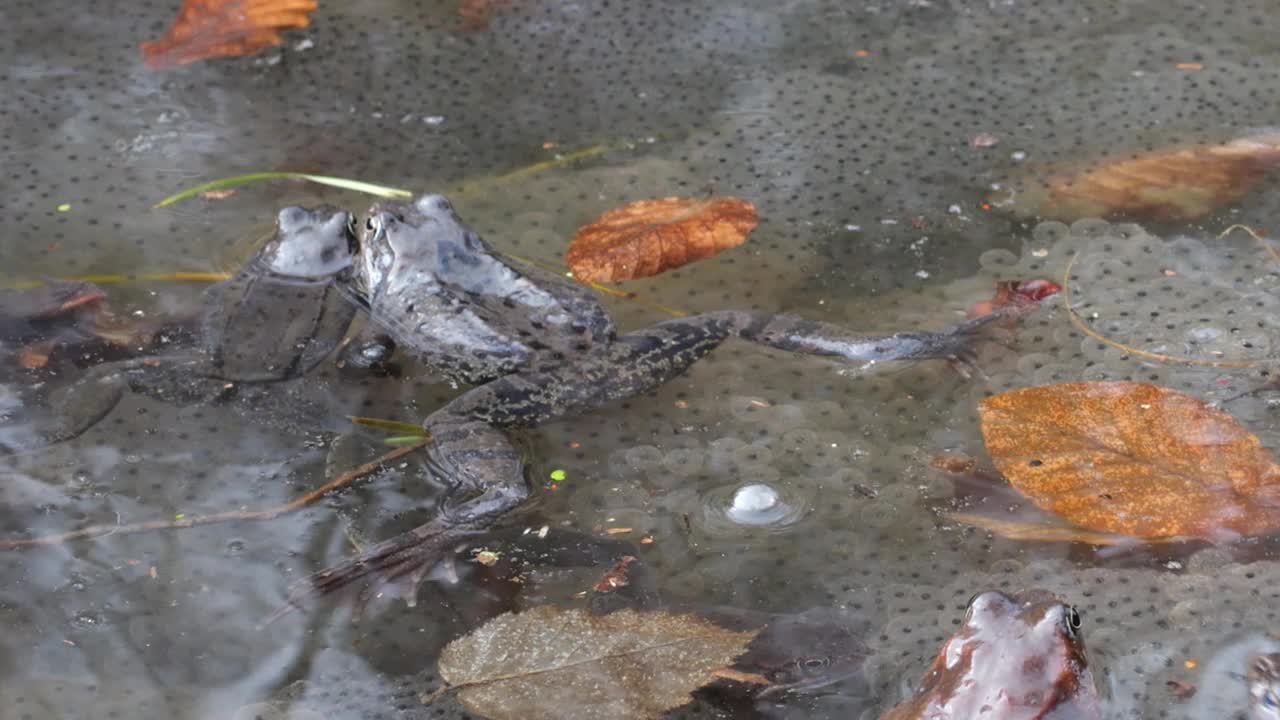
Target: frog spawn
<point x="772" y="99"/>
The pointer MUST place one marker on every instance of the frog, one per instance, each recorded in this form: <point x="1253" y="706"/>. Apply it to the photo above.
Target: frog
<point x="1018" y="656"/>
<point x="277" y="317"/>
<point x="534" y="347"/>
<point x="1264" y="687"/>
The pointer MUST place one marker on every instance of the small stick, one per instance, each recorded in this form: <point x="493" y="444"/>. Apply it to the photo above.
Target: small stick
<point x="1083" y="327"/>
<point x="297" y="503"/>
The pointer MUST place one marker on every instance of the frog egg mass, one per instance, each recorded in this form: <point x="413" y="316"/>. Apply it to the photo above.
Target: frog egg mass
<point x="862" y="132"/>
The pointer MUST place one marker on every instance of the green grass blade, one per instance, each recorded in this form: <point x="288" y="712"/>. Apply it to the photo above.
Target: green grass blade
<point x="344" y="183"/>
<point x="401" y="440"/>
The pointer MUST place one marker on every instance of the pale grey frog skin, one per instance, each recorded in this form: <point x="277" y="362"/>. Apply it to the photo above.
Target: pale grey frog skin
<point x="275" y="319"/>
<point x="1264" y="687"/>
<point x="539" y="348"/>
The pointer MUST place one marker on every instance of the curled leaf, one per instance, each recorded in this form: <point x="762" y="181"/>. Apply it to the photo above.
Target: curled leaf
<point x="648" y="237"/>
<point x="1133" y="459"/>
<point x="1174" y="184"/>
<point x="571" y="665"/>
<point x="225" y="28"/>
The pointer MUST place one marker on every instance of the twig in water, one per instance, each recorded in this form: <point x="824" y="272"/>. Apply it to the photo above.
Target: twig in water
<point x="297" y="503"/>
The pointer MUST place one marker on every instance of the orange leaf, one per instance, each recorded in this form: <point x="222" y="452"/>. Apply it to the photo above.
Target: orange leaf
<point x="1133" y="458"/>
<point x="1172" y="184"/>
<point x="648" y="237"/>
<point x="225" y="28"/>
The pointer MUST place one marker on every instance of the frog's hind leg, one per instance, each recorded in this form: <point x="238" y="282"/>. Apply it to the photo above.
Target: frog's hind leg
<point x="687" y="339"/>
<point x="486" y="477"/>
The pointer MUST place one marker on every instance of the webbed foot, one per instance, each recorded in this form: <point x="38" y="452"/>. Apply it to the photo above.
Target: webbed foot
<point x="404" y="561"/>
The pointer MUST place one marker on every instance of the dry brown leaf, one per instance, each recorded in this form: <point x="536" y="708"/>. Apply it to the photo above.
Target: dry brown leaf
<point x="648" y="237"/>
<point x="1172" y="184"/>
<point x="225" y="28"/>
<point x="1134" y="459"/>
<point x="616" y="576"/>
<point x="567" y="664"/>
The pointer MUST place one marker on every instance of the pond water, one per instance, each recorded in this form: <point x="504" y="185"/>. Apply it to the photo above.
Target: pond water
<point x="758" y="480"/>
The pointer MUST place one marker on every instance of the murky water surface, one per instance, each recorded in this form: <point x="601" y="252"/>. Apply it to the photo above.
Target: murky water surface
<point x="849" y="124"/>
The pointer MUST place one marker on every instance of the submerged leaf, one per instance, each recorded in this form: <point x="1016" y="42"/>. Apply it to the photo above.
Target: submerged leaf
<point x="1133" y="459"/>
<point x="562" y="664"/>
<point x="648" y="237"/>
<point x="1171" y="184"/>
<point x="225" y="28"/>
<point x="1048" y="530"/>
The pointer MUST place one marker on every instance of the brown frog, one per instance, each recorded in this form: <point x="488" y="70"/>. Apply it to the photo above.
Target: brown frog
<point x="1018" y="657"/>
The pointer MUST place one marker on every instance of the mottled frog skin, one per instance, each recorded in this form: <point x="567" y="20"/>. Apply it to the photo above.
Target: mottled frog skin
<point x="1264" y="687"/>
<point x="538" y="348"/>
<point x="1016" y="657"/>
<point x="276" y="318"/>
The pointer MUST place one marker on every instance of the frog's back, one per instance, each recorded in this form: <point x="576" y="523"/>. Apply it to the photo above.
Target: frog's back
<point x="259" y="327"/>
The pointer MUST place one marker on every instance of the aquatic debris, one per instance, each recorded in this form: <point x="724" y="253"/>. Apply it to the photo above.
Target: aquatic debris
<point x="561" y="664"/>
<point x="1134" y="459"/>
<point x="344" y="183"/>
<point x="1176" y="184"/>
<point x="616" y="576"/>
<point x="225" y="28"/>
<point x="984" y="140"/>
<point x="647" y="237"/>
<point x="1021" y="293"/>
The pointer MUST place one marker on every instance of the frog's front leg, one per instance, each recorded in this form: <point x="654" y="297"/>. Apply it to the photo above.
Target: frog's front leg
<point x="486" y="478"/>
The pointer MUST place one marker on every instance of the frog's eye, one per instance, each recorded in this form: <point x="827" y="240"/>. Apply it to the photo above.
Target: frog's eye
<point x="814" y="664"/>
<point x="1071" y="620"/>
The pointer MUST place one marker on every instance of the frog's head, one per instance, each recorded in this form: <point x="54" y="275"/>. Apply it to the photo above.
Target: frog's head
<point x="807" y="651"/>
<point x="420" y="244"/>
<point x="310" y="243"/>
<point x="1022" y="654"/>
